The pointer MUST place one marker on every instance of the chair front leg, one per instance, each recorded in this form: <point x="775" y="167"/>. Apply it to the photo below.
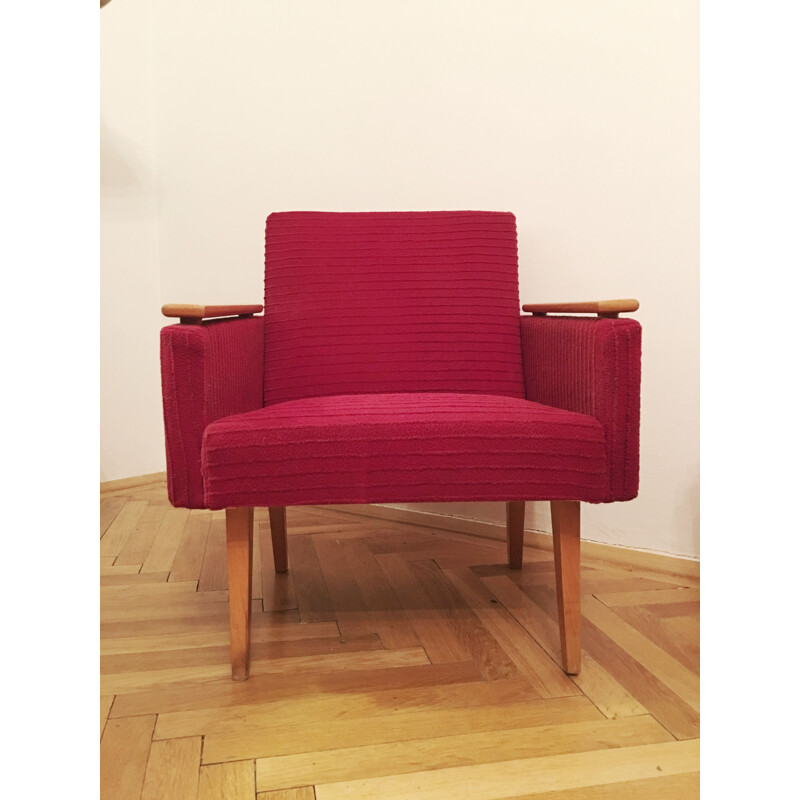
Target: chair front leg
<point x="566" y="516"/>
<point x="239" y="530"/>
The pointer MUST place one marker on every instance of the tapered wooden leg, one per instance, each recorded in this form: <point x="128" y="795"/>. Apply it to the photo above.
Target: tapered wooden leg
<point x="277" y="525"/>
<point x="515" y="532"/>
<point x="239" y="529"/>
<point x="566" y="515"/>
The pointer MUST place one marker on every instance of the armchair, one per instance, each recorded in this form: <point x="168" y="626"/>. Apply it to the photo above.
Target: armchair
<point x="391" y="364"/>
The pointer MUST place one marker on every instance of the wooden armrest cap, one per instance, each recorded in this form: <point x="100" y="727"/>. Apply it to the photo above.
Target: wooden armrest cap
<point x="605" y="308"/>
<point x="188" y="311"/>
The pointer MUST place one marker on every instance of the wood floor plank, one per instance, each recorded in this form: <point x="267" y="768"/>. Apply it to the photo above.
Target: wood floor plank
<point x="384" y="610"/>
<point x="327" y="530"/>
<point x="215" y="619"/>
<point x="667" y="707"/>
<point x="348" y="603"/>
<point x="214" y="571"/>
<point x="141" y="538"/>
<point x="684" y="786"/>
<point x="605" y="692"/>
<point x="594" y="579"/>
<point x="124" y="682"/>
<point x="131" y="592"/>
<point x="173" y="770"/>
<point x="533" y="619"/>
<point x="681" y="581"/>
<point x="445" y="551"/>
<point x="109" y="508"/>
<point x="299" y="793"/>
<point x="658" y="699"/>
<point x="288" y="712"/>
<point x="180" y="594"/>
<point x="105" y="707"/>
<point x="493" y="662"/>
<point x="123" y="757"/>
<point x="687" y="627"/>
<point x="530" y="775"/>
<point x="543" y="673"/>
<point x="223" y="693"/>
<point x="156" y="491"/>
<point x="596" y="682"/>
<point x="123" y="525"/>
<point x="393" y="727"/>
<point x="681" y="648"/>
<point x="234" y="781"/>
<point x="219" y="654"/>
<point x="166" y="542"/>
<point x="679" y="595"/>
<point x="313" y="600"/>
<point x="188" y="561"/>
<point x="421" y="543"/>
<point x="428" y="621"/>
<point x="690" y="608"/>
<point x="277" y="588"/>
<point x="219" y="637"/>
<point x="107" y="568"/>
<point x="132" y="578"/>
<point x="164" y="608"/>
<point x="682" y="681"/>
<point x="371" y="761"/>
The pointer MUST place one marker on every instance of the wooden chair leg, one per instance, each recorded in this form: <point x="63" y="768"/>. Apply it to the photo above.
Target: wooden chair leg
<point x="566" y="516"/>
<point x="277" y="525"/>
<point x="515" y="532"/>
<point x="239" y="529"/>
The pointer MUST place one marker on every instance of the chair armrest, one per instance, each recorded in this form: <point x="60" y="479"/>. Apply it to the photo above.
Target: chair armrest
<point x="194" y="315"/>
<point x="603" y="308"/>
<point x="591" y="365"/>
<point x="207" y="371"/>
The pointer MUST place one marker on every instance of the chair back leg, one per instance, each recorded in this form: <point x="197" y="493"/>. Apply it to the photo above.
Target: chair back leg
<point x="515" y="532"/>
<point x="566" y="516"/>
<point x="277" y="525"/>
<point x="239" y="530"/>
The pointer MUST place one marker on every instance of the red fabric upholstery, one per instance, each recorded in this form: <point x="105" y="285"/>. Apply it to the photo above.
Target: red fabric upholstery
<point x="391" y="302"/>
<point x="392" y="366"/>
<point x="207" y="371"/>
<point x="416" y="447"/>
<point x="592" y="366"/>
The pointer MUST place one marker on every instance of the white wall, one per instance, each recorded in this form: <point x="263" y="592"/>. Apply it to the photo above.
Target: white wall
<point x="131" y="437"/>
<point x="580" y="116"/>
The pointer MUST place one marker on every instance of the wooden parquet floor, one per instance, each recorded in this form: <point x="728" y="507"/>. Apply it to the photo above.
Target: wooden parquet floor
<point x="392" y="661"/>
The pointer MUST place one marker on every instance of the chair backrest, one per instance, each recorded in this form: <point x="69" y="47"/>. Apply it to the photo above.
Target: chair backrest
<point x="391" y="302"/>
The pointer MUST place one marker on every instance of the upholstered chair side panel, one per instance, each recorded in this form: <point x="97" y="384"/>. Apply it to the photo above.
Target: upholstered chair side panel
<point x="207" y="371"/>
<point x="591" y="366"/>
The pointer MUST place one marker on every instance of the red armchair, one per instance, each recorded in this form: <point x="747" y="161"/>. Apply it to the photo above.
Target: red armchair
<point x="391" y="365"/>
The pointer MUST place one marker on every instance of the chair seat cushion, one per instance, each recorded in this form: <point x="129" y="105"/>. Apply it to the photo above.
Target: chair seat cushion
<point x="415" y="447"/>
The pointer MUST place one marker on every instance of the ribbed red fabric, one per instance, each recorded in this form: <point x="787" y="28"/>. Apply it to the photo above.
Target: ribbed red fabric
<point x="592" y="366"/>
<point x="391" y="302"/>
<point x="415" y="447"/>
<point x="208" y="371"/>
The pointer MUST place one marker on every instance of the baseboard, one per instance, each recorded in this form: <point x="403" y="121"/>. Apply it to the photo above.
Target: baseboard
<point x="130" y="483"/>
<point x="596" y="551"/>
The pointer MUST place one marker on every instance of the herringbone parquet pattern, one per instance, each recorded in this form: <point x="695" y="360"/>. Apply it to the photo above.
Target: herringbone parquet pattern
<point x="393" y="661"/>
